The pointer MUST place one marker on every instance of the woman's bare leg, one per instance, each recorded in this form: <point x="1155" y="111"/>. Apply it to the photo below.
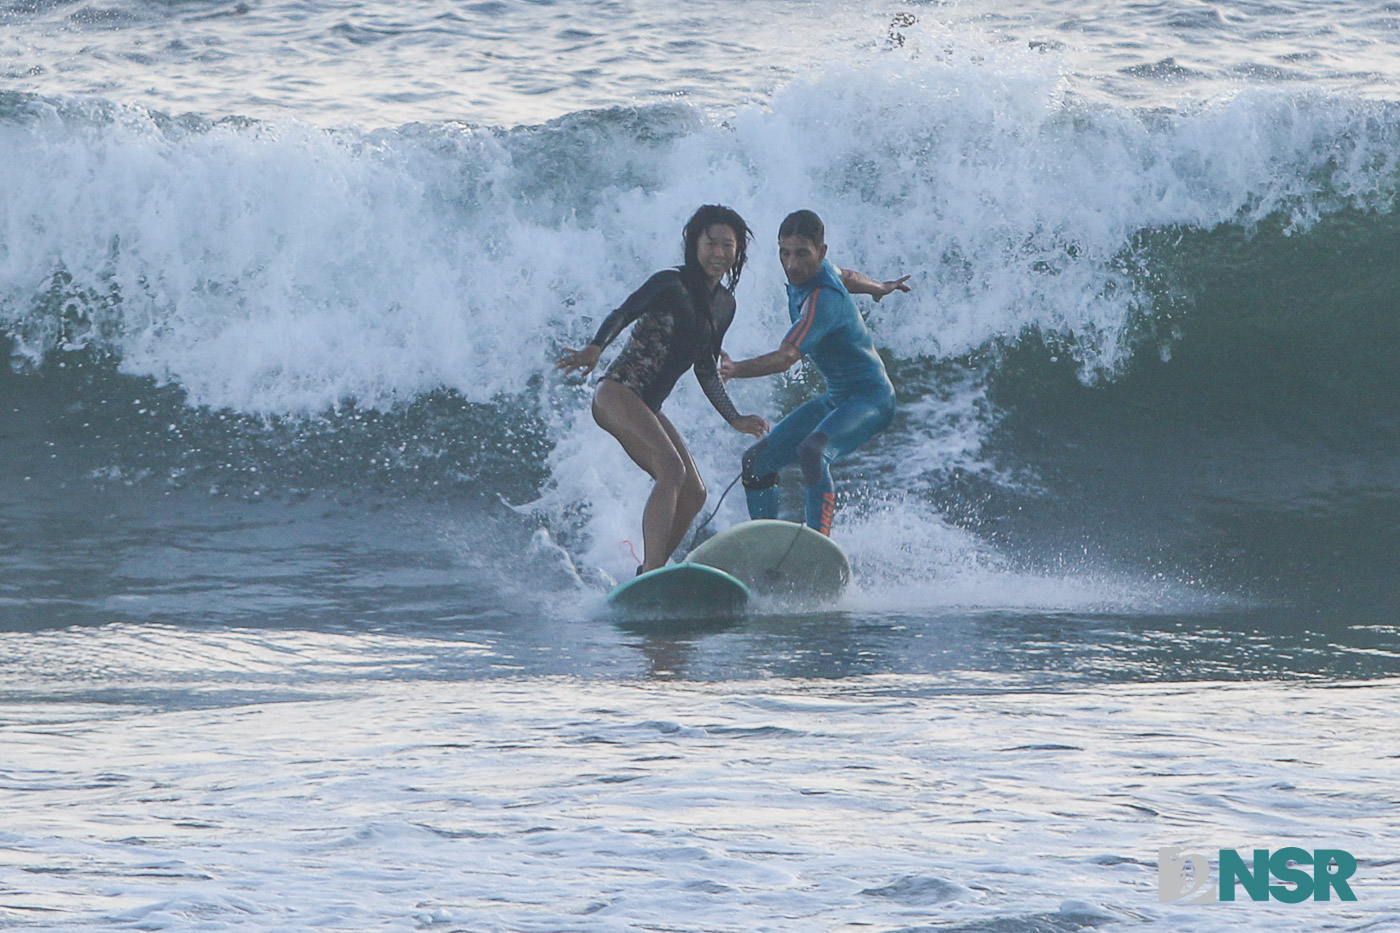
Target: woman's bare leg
<point x="692" y="496"/>
<point x="622" y="413"/>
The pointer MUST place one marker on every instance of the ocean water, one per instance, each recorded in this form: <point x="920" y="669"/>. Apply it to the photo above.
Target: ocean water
<point x="306" y="543"/>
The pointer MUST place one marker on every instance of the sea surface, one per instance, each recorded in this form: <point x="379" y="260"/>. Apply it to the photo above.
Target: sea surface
<point x="305" y="543"/>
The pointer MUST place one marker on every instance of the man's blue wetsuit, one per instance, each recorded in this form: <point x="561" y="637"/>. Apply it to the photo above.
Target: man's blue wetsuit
<point x="859" y="401"/>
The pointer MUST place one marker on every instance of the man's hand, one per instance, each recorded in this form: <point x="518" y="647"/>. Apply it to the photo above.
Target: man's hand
<point x="750" y="424"/>
<point x="858" y="283"/>
<point x="882" y="289"/>
<point x="584" y="359"/>
<point x="726" y="366"/>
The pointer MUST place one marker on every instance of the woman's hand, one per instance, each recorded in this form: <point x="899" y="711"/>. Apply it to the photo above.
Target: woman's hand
<point x="750" y="424"/>
<point x="584" y="359"/>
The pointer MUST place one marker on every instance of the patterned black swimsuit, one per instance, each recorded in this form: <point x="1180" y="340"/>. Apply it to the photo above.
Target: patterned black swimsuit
<point x="675" y="331"/>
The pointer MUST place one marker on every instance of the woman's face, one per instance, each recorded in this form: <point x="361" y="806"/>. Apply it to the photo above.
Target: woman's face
<point x="716" y="251"/>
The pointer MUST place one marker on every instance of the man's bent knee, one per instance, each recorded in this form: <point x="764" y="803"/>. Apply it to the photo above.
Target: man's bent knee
<point x="811" y="455"/>
<point x="751" y="478"/>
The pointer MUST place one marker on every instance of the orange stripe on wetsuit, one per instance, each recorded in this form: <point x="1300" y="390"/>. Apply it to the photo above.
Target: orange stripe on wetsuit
<point x="828" y="512"/>
<point x="799" y="331"/>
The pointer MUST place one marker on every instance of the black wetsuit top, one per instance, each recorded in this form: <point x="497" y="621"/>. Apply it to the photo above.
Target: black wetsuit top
<point x="676" y="329"/>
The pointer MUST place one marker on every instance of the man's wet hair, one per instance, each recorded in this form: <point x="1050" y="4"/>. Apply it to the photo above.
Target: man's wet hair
<point x="705" y="218"/>
<point x="805" y="224"/>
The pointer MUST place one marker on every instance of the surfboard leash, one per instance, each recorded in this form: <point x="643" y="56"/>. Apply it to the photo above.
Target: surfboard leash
<point x="701" y="527"/>
<point x="793" y="543"/>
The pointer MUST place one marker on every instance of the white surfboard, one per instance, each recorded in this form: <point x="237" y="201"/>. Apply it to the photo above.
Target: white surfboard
<point x="775" y="558"/>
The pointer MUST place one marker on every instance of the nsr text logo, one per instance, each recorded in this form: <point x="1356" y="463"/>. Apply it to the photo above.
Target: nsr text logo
<point x="1175" y="882"/>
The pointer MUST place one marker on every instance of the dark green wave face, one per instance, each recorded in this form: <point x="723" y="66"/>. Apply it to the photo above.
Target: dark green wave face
<point x="1251" y="440"/>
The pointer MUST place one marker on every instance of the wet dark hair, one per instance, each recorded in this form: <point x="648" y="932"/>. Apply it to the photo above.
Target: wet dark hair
<point x="705" y="218"/>
<point x="805" y="224"/>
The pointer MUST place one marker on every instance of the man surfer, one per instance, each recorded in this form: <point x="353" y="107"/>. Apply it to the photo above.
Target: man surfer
<point x="859" y="398"/>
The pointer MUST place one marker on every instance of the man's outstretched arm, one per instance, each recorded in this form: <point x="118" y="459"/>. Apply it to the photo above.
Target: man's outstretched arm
<point x="780" y="360"/>
<point x="858" y="283"/>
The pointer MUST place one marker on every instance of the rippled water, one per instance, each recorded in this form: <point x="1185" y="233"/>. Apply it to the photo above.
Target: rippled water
<point x="508" y="63"/>
<point x="899" y="803"/>
<point x="429" y="60"/>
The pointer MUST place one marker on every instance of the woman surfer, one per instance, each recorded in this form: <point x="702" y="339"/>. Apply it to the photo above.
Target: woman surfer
<point x="682" y="317"/>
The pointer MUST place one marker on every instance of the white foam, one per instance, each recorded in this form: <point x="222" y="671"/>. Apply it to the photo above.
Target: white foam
<point x="281" y="269"/>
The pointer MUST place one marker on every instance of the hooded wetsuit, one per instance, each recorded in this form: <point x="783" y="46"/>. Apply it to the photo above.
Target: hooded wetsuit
<point x="859" y="401"/>
<point x="676" y="329"/>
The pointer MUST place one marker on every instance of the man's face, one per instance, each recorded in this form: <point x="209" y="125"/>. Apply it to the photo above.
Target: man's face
<point x="801" y="258"/>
